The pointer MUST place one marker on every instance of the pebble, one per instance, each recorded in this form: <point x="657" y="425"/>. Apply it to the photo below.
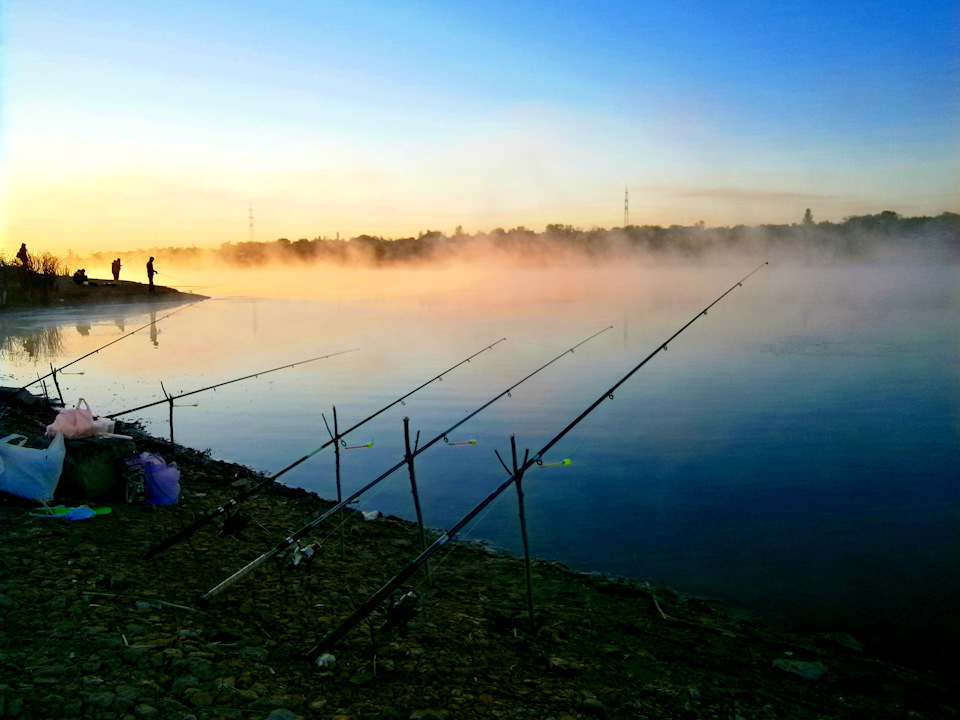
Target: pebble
<point x="806" y="670"/>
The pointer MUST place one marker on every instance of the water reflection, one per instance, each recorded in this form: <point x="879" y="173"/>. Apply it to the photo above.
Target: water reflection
<point x="19" y="345"/>
<point x="153" y="329"/>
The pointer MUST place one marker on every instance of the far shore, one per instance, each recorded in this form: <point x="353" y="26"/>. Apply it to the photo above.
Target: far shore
<point x="96" y="291"/>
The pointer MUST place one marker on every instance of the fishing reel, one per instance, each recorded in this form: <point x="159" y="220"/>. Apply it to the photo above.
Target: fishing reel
<point x="234" y="524"/>
<point x="401" y="612"/>
<point x="303" y="556"/>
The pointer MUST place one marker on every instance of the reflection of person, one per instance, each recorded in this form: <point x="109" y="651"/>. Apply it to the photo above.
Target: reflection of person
<point x="115" y="266"/>
<point x="22" y="254"/>
<point x="150" y="273"/>
<point x="83" y="327"/>
<point x="153" y="327"/>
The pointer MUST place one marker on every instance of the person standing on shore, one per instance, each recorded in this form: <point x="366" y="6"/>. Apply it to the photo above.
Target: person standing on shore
<point x="150" y="273"/>
<point x="22" y="255"/>
<point x="115" y="266"/>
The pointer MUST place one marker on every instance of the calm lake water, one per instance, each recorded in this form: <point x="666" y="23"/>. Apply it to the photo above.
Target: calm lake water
<point x="794" y="452"/>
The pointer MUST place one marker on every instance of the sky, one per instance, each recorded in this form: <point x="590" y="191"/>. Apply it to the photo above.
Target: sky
<point x="151" y="124"/>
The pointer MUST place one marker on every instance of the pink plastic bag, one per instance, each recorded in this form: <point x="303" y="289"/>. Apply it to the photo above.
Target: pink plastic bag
<point x="78" y="422"/>
<point x="73" y="422"/>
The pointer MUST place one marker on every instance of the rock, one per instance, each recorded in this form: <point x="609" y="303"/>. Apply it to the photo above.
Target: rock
<point x="594" y="706"/>
<point x="806" y="670"/>
<point x="101" y="700"/>
<point x="200" y="668"/>
<point x="198" y="697"/>
<point x="127" y="693"/>
<point x="564" y="667"/>
<point x="283" y="714"/>
<point x="255" y="653"/>
<point x="85" y="550"/>
<point x="182" y="684"/>
<point x="326" y="660"/>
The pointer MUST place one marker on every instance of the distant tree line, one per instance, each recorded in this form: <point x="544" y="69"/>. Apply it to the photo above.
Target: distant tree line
<point x="853" y="237"/>
<point x="861" y="236"/>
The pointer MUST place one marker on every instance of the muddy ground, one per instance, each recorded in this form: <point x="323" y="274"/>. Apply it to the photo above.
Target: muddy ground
<point x="89" y="629"/>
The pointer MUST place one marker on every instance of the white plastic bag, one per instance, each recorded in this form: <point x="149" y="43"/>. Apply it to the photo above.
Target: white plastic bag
<point x="78" y="422"/>
<point x="31" y="473"/>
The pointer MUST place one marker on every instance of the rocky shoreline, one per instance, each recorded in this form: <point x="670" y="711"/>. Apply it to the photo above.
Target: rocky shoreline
<point x="89" y="629"/>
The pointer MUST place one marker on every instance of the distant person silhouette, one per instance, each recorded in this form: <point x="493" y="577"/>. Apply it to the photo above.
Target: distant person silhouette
<point x="150" y="273"/>
<point x="80" y="276"/>
<point x="22" y="255"/>
<point x="115" y="266"/>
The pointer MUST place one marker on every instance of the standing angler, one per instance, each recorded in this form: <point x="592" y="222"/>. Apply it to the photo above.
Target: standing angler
<point x="150" y="273"/>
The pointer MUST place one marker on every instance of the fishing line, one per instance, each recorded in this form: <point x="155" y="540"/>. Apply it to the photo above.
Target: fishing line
<point x="467" y="537"/>
<point x="247" y="569"/>
<point x="332" y="638"/>
<point x="170" y="398"/>
<point x="209" y="517"/>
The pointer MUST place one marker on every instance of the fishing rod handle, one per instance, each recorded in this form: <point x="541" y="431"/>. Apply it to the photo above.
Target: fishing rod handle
<point x="241" y="573"/>
<point x="338" y="633"/>
<point x="186" y="532"/>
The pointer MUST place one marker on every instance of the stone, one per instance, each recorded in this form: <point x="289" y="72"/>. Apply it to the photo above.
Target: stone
<point x="199" y="697"/>
<point x="564" y="667"/>
<point x="101" y="700"/>
<point x="255" y="653"/>
<point x="283" y="714"/>
<point x="807" y="670"/>
<point x="182" y="684"/>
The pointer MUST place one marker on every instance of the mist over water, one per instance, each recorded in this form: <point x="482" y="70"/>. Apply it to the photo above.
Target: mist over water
<point x="792" y="453"/>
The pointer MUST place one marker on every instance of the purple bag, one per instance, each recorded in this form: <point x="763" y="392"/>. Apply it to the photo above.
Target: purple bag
<point x="162" y="480"/>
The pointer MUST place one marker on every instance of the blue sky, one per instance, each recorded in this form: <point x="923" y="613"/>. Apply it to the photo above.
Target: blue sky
<point x="134" y="124"/>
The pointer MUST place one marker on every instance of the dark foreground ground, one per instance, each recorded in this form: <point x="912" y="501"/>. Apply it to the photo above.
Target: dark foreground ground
<point x="88" y="629"/>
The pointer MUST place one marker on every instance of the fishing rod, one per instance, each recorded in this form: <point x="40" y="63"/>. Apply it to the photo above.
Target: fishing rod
<point x="94" y="352"/>
<point x="380" y="595"/>
<point x="210" y="516"/>
<point x="171" y="398"/>
<point x="287" y="542"/>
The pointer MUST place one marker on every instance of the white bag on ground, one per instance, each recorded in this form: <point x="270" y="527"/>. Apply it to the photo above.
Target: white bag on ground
<point x="31" y="473"/>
